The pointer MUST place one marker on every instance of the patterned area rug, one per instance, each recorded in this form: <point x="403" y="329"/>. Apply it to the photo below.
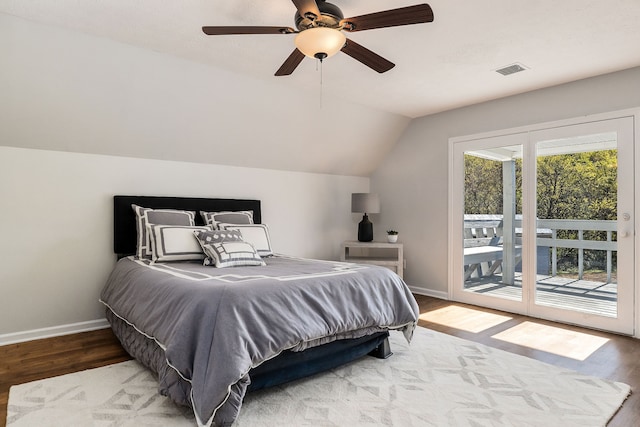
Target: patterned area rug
<point x="437" y="381"/>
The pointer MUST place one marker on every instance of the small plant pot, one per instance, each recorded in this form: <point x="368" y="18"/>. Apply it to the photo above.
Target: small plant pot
<point x="392" y="238"/>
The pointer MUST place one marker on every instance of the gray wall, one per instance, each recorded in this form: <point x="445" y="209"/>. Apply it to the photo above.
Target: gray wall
<point x="412" y="181"/>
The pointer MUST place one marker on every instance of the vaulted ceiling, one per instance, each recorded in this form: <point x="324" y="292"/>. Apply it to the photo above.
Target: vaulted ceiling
<point x="439" y="66"/>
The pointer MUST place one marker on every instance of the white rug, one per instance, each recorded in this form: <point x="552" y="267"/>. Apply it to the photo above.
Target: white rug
<point x="437" y="381"/>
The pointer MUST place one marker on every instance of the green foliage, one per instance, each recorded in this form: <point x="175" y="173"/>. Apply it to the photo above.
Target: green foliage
<point x="483" y="186"/>
<point x="569" y="186"/>
<point x="578" y="186"/>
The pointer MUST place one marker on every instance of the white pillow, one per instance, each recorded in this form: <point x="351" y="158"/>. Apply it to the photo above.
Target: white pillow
<point x="256" y="234"/>
<point x="175" y="243"/>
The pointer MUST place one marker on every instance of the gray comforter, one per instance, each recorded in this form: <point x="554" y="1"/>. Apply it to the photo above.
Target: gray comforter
<point x="216" y="324"/>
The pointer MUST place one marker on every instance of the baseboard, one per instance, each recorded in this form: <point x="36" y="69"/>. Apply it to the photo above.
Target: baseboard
<point x="429" y="292"/>
<point x="54" y="331"/>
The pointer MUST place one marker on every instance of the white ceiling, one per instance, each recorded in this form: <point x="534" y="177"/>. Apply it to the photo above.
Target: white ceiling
<point x="439" y="66"/>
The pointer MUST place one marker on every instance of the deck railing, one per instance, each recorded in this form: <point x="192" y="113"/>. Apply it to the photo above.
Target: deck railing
<point x="482" y="229"/>
<point x="580" y="244"/>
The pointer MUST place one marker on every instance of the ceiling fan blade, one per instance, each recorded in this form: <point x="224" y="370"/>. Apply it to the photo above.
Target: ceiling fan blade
<point x="367" y="57"/>
<point x="221" y="31"/>
<point x="290" y="64"/>
<point x="307" y="6"/>
<point x="418" y="14"/>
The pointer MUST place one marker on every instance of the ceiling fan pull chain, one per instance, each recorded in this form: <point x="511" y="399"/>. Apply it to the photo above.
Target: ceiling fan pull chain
<point x="321" y="86"/>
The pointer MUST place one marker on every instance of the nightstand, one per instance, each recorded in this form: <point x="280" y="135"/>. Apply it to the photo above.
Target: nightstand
<point x="378" y="253"/>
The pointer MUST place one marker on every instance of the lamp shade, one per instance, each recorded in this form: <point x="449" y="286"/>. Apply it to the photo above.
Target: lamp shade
<point x="321" y="41"/>
<point x="365" y="203"/>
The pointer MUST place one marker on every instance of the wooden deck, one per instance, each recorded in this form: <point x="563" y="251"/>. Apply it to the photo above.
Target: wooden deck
<point x="554" y="291"/>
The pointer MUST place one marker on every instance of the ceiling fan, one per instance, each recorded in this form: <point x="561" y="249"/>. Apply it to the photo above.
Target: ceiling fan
<point x="319" y="32"/>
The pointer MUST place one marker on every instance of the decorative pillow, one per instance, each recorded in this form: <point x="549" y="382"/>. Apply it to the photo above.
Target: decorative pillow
<point x="216" y="236"/>
<point x="229" y="217"/>
<point x="175" y="243"/>
<point x="256" y="234"/>
<point x="227" y="249"/>
<point x="147" y="216"/>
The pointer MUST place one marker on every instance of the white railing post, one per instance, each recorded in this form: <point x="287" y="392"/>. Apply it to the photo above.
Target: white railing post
<point x="580" y="256"/>
<point x="554" y="254"/>
<point x="609" y="261"/>
<point x="508" y="218"/>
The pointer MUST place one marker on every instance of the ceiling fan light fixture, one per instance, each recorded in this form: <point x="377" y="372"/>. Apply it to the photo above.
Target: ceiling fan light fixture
<point x="320" y="41"/>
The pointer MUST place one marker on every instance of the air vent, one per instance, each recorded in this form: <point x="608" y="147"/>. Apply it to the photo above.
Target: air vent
<point x="511" y="69"/>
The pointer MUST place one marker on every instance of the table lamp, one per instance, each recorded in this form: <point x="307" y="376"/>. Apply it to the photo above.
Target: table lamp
<point x="365" y="203"/>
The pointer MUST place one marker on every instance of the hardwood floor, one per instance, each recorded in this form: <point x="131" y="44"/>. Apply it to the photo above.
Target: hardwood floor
<point x="618" y="358"/>
<point x="35" y="360"/>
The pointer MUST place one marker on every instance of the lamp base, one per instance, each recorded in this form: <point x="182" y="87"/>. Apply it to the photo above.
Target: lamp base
<point x="365" y="230"/>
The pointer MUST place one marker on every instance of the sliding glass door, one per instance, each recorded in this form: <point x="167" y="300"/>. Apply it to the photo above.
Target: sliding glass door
<point x="488" y="222"/>
<point x="542" y="223"/>
<point x="585" y="208"/>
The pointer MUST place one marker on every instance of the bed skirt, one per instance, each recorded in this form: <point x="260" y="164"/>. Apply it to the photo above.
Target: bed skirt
<point x="288" y="366"/>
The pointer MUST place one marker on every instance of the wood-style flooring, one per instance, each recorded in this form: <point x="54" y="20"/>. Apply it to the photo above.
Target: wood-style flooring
<point x="35" y="360"/>
<point x="617" y="359"/>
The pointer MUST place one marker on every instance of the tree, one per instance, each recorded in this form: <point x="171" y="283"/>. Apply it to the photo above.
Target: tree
<point x="578" y="186"/>
<point x="569" y="186"/>
<point x="483" y="185"/>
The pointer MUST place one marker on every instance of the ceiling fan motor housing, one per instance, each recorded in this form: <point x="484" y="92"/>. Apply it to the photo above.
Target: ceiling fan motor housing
<point x="330" y="16"/>
<point x="320" y="32"/>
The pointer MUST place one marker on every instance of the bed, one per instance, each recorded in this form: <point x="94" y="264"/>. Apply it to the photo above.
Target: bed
<point x="213" y="334"/>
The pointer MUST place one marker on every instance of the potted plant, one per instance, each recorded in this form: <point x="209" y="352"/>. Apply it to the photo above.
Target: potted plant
<point x="392" y="236"/>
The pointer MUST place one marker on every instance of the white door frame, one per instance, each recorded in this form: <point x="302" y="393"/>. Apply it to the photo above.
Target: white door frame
<point x="456" y="199"/>
<point x="511" y="137"/>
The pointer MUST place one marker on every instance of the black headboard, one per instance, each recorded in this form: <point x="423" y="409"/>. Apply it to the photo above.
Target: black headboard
<point x="124" y="219"/>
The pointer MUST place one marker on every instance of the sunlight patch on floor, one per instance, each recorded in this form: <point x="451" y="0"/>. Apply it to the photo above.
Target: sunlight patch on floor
<point x="466" y="319"/>
<point x="560" y="341"/>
